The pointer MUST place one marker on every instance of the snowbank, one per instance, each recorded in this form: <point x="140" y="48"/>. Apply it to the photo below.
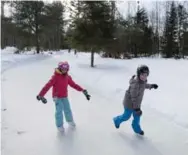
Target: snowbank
<point x="9" y="59"/>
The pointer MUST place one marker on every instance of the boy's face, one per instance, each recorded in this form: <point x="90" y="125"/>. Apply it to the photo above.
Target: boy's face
<point x="143" y="76"/>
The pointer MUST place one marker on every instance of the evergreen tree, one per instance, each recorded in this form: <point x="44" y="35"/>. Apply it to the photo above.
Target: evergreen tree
<point x="141" y="19"/>
<point x="182" y="26"/>
<point x="53" y="29"/>
<point x="170" y="33"/>
<point x="93" y="28"/>
<point x="28" y="16"/>
<point x="145" y="32"/>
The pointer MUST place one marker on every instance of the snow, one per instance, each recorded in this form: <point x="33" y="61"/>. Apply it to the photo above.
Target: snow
<point x="9" y="59"/>
<point x="28" y="126"/>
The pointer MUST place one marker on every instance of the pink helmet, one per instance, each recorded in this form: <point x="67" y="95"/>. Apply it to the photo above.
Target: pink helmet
<point x="63" y="66"/>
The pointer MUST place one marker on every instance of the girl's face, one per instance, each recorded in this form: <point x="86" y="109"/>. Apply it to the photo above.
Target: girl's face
<point x="63" y="71"/>
<point x="143" y="76"/>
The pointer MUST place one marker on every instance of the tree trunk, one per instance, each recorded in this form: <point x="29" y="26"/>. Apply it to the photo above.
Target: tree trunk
<point x="135" y="51"/>
<point x="183" y="51"/>
<point x="53" y="44"/>
<point x="37" y="33"/>
<point x="58" y="38"/>
<point x="2" y="33"/>
<point x="92" y="57"/>
<point x="37" y="41"/>
<point x="2" y="8"/>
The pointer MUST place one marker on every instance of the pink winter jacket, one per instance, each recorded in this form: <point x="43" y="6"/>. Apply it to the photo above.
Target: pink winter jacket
<point x="59" y="84"/>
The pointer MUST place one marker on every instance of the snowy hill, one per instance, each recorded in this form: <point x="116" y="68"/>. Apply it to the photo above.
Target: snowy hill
<point x="28" y="126"/>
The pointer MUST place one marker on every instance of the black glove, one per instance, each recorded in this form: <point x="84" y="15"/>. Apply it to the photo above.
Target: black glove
<point x="138" y="111"/>
<point x="155" y="86"/>
<point x="86" y="94"/>
<point x="42" y="99"/>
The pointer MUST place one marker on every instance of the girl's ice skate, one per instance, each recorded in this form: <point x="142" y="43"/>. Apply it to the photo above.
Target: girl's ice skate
<point x="72" y="124"/>
<point x="61" y="129"/>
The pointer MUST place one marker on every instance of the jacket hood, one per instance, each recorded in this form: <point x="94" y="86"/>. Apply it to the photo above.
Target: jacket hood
<point x="58" y="72"/>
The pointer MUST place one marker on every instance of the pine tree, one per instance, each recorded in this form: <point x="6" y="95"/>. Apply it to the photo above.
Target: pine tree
<point x="94" y="27"/>
<point x="170" y="35"/>
<point x="182" y="16"/>
<point x="173" y="30"/>
<point x="53" y="29"/>
<point x="145" y="32"/>
<point x="141" y="19"/>
<point x="28" y="16"/>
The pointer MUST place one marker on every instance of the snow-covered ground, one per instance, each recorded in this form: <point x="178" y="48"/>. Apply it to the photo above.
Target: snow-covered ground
<point x="28" y="126"/>
<point x="10" y="60"/>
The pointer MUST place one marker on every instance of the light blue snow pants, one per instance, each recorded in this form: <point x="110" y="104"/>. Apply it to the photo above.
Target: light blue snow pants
<point x="62" y="105"/>
<point x="126" y="116"/>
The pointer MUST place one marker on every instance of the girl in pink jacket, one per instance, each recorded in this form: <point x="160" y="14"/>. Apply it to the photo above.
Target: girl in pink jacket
<point x="59" y="83"/>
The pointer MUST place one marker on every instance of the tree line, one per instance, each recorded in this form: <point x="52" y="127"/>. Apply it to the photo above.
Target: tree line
<point x="34" y="24"/>
<point x="95" y="26"/>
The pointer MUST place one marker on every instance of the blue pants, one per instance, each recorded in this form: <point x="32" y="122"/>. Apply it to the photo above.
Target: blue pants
<point x="126" y="116"/>
<point x="62" y="105"/>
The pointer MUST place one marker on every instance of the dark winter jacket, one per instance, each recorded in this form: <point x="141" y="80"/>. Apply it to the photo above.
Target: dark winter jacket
<point x="134" y="94"/>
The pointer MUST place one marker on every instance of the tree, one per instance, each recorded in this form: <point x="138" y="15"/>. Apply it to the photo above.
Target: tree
<point x="145" y="34"/>
<point x="182" y="16"/>
<point x="155" y="25"/>
<point x="170" y="33"/>
<point x="75" y="16"/>
<point x="53" y="29"/>
<point x="28" y="16"/>
<point x="6" y="27"/>
<point x="93" y="27"/>
<point x="141" y="19"/>
<point x="185" y="44"/>
<point x="132" y="36"/>
<point x="2" y="8"/>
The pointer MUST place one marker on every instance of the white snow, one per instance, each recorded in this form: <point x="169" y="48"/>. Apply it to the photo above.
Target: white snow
<point x="28" y="126"/>
<point x="9" y="59"/>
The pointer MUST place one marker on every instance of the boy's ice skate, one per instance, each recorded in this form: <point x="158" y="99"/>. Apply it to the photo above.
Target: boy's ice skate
<point x="116" y="123"/>
<point x="141" y="133"/>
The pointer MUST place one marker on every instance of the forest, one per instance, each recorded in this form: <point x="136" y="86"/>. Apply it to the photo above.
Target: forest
<point x="97" y="26"/>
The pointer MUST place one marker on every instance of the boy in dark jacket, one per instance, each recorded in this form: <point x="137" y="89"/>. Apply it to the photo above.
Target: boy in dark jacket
<point x="133" y="99"/>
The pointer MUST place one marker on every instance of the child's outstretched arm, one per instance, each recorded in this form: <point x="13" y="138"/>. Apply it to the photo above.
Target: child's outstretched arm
<point x="47" y="86"/>
<point x="150" y="86"/>
<point x="74" y="85"/>
<point x="78" y="88"/>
